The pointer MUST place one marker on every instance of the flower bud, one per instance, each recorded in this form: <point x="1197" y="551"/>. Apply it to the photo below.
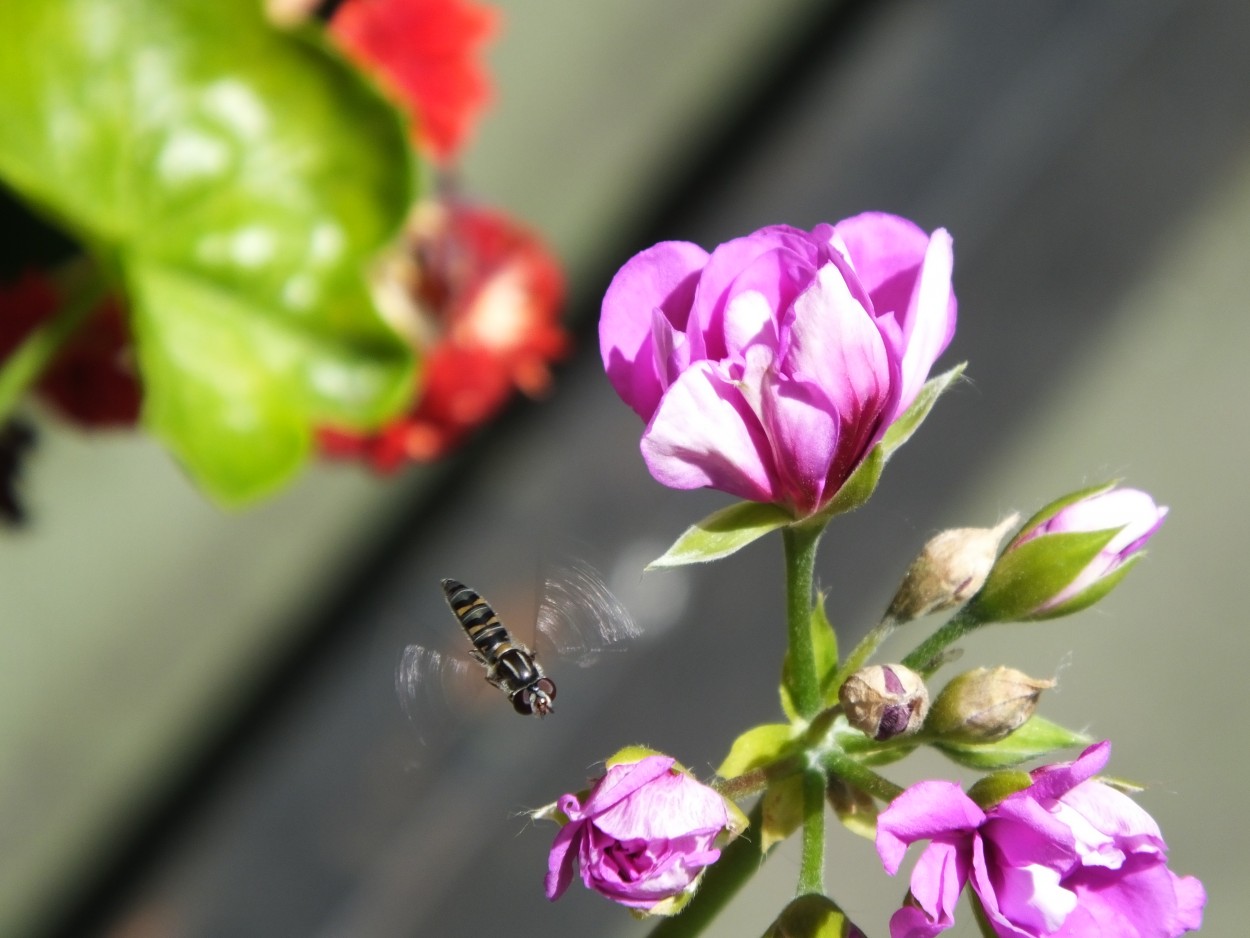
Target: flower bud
<point x="1069" y="555"/>
<point x="951" y="568"/>
<point x="885" y="700"/>
<point x="985" y="705"/>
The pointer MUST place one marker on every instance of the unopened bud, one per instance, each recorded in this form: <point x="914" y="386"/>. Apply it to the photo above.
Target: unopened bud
<point x="985" y="704"/>
<point x="951" y="568"/>
<point x="885" y="700"/>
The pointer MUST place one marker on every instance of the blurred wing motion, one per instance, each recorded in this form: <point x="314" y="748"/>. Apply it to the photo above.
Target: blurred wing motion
<point x="578" y="618"/>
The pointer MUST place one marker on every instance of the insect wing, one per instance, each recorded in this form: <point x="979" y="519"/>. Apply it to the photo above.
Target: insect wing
<point x="429" y="681"/>
<point x="580" y="618"/>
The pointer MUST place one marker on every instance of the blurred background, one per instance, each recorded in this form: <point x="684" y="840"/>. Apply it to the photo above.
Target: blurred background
<point x="199" y="734"/>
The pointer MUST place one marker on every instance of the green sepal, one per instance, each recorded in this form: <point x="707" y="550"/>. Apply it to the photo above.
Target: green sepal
<point x="722" y="533"/>
<point x="909" y="421"/>
<point x="812" y="916"/>
<point x="628" y="755"/>
<point x="868" y="751"/>
<point x="856" y="490"/>
<point x="234" y="182"/>
<point x="1092" y="593"/>
<point x="825" y="653"/>
<point x="855" y="808"/>
<point x="757" y="747"/>
<point x="1036" y="738"/>
<point x="1026" y="576"/>
<point x="863" y="481"/>
<point x="991" y="789"/>
<point x="783" y="811"/>
<point x="1048" y="511"/>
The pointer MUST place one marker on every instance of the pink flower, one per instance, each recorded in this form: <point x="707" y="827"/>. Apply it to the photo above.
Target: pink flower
<point x="641" y="836"/>
<point x="771" y="367"/>
<point x="1132" y="511"/>
<point x="1066" y="856"/>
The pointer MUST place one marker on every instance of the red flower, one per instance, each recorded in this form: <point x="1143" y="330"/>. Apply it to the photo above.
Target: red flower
<point x="424" y="53"/>
<point x="488" y="292"/>
<point x="92" y="380"/>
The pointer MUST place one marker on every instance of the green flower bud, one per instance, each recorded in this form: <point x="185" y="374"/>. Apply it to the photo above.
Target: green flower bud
<point x="985" y="705"/>
<point x="950" y="570"/>
<point x="884" y="701"/>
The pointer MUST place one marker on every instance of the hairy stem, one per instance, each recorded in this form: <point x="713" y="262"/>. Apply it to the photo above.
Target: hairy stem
<point x="926" y="658"/>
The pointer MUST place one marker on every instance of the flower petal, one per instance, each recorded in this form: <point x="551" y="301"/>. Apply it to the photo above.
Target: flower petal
<point x="704" y="434"/>
<point x="662" y="277"/>
<point x="907" y="274"/>
<point x="925" y="810"/>
<point x="560" y="859"/>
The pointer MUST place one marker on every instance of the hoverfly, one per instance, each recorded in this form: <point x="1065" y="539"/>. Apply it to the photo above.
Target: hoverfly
<point x="578" y="618"/>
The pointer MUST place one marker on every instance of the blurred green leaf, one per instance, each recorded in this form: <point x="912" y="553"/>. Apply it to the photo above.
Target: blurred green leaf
<point x="236" y="181"/>
<point x="856" y="809"/>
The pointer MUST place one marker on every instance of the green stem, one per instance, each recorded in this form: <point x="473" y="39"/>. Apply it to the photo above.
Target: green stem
<point x="800" y="545"/>
<point x="721" y="882"/>
<point x="840" y="764"/>
<point x="812" y="867"/>
<point x="32" y="357"/>
<point x="925" y="659"/>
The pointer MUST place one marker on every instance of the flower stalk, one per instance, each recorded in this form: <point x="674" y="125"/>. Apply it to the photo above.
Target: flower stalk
<point x="927" y="656"/>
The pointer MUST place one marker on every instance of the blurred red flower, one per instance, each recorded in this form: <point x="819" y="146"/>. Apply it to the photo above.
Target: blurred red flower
<point x="480" y="296"/>
<point x="92" y="380"/>
<point x="425" y="54"/>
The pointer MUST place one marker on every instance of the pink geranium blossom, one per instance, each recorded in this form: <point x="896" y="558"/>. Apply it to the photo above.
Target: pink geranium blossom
<point x="771" y="367"/>
<point x="641" y="836"/>
<point x="1068" y="856"/>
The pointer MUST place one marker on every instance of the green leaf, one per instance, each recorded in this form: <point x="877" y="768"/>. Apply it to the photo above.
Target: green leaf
<point x="909" y="421"/>
<point x="812" y="916"/>
<point x="236" y="181"/>
<point x="825" y="653"/>
<point x="1029" y="574"/>
<point x="991" y="789"/>
<point x="722" y="533"/>
<point x="783" y="811"/>
<point x="1036" y="738"/>
<point x="758" y="746"/>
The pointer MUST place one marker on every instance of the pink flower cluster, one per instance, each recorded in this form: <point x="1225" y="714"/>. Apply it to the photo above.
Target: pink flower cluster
<point x="1068" y="856"/>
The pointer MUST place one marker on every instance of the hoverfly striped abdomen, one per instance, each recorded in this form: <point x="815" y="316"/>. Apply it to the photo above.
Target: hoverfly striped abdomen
<point x="509" y="664"/>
